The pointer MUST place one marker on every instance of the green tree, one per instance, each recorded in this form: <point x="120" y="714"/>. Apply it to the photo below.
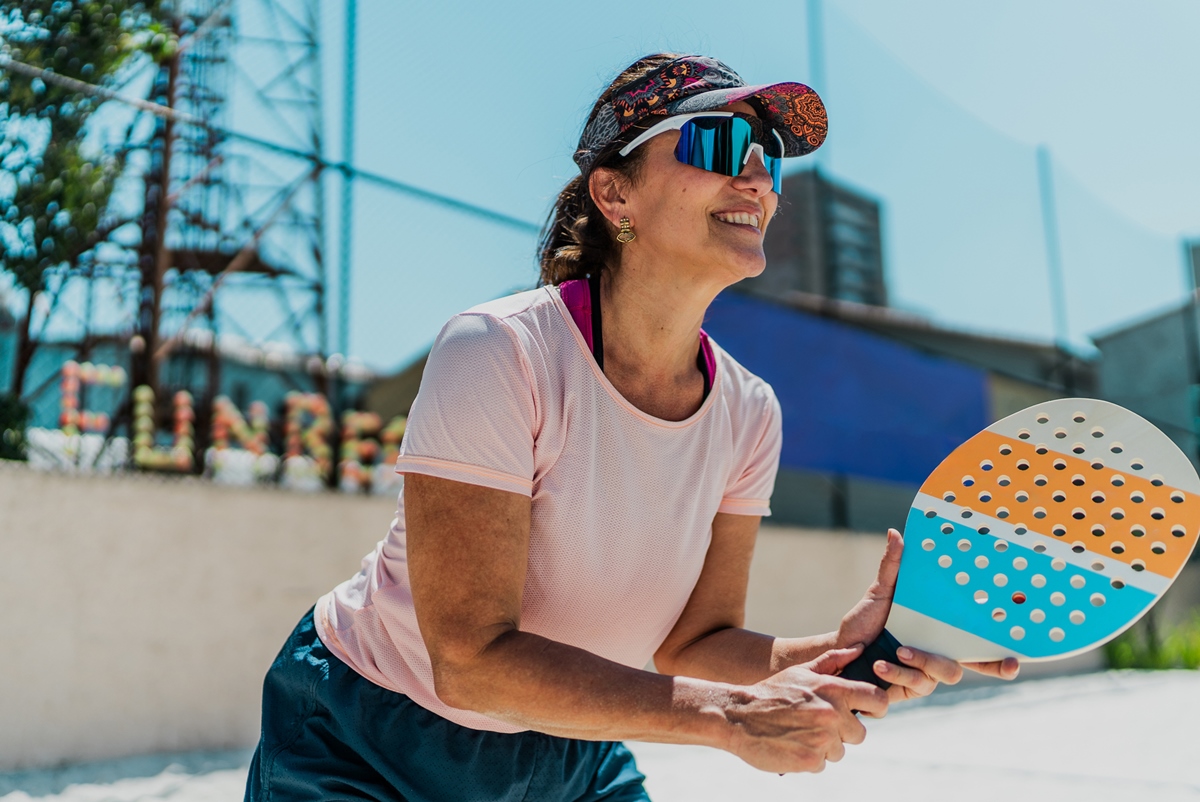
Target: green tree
<point x="13" y="417"/>
<point x="55" y="210"/>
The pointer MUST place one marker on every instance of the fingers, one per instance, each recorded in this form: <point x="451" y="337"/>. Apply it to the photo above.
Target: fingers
<point x="1008" y="668"/>
<point x="798" y="720"/>
<point x="907" y="683"/>
<point x="920" y="675"/>
<point x="834" y="660"/>
<point x="866" y="699"/>
<point x="922" y="672"/>
<point x="851" y="730"/>
<point x="889" y="566"/>
<point x="854" y="696"/>
<point x="845" y="699"/>
<point x="940" y="669"/>
<point x="837" y="751"/>
<point x="833" y="730"/>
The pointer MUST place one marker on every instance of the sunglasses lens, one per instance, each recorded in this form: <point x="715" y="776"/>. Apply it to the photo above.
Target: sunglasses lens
<point x="722" y="144"/>
<point x="702" y="143"/>
<point x="775" y="168"/>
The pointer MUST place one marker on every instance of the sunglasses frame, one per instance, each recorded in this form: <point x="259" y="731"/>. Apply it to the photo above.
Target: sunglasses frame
<point x="677" y="122"/>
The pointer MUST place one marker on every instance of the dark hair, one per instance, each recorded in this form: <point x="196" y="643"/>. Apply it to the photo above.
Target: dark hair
<point x="577" y="240"/>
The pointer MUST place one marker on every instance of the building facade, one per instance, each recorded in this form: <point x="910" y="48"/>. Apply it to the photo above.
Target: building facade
<point x="1152" y="367"/>
<point x="826" y="240"/>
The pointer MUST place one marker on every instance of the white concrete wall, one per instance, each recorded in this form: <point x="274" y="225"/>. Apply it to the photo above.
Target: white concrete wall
<point x="802" y="581"/>
<point x="140" y="613"/>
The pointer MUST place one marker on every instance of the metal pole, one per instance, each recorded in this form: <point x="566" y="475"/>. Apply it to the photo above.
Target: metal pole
<point x="346" y="230"/>
<point x="1191" y="338"/>
<point x="1191" y="265"/>
<point x="154" y="257"/>
<point x="424" y="195"/>
<point x="321" y="252"/>
<point x="1058" y="293"/>
<point x="816" y="64"/>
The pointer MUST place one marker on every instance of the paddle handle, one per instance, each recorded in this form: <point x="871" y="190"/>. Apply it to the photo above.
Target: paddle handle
<point x="861" y="669"/>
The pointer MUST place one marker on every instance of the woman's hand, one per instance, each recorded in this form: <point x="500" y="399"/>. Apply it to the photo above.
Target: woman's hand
<point x="921" y="672"/>
<point x="802" y="717"/>
<point x="865" y="621"/>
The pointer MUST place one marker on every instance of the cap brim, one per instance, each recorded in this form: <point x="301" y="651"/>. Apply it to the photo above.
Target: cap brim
<point x="795" y="110"/>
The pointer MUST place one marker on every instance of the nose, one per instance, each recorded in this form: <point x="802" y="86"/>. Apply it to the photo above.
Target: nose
<point x="754" y="174"/>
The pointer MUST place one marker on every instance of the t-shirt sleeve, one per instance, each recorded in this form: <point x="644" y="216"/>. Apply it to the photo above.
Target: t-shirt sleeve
<point x="473" y="418"/>
<point x="749" y="489"/>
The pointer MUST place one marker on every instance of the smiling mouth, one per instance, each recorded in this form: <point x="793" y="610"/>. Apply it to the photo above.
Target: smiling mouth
<point x="739" y="218"/>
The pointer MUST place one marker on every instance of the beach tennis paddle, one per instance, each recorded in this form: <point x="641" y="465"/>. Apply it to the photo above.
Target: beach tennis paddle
<point x="1047" y="534"/>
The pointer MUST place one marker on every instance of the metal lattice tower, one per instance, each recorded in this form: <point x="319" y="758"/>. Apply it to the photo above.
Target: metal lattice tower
<point x="215" y="238"/>
<point x="222" y="241"/>
<point x="276" y="96"/>
<point x="244" y="227"/>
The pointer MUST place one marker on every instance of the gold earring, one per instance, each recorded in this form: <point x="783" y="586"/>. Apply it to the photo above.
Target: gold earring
<point x="626" y="233"/>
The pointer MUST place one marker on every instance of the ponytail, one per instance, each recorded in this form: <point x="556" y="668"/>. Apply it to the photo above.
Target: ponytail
<point x="577" y="240"/>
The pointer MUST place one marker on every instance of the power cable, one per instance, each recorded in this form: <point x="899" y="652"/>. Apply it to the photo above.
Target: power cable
<point x="426" y="195"/>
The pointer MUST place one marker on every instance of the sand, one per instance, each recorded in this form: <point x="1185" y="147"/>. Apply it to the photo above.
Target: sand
<point x="1097" y="737"/>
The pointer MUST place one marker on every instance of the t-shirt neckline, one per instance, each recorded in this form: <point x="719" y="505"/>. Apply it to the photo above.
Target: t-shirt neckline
<point x="608" y="386"/>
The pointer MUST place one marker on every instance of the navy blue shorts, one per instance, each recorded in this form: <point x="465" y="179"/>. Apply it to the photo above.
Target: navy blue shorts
<point x="328" y="733"/>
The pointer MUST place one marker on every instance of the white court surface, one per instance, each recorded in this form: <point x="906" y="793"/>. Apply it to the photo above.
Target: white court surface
<point x="1112" y="736"/>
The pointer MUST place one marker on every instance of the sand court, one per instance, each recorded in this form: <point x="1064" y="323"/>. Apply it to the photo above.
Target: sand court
<point x="1088" y="738"/>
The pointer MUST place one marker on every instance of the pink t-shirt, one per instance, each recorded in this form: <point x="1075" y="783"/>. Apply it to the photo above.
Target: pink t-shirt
<point x="622" y="502"/>
<point x="577" y="297"/>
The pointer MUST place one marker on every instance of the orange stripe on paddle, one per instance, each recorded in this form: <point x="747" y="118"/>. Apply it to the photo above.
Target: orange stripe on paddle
<point x="1117" y="514"/>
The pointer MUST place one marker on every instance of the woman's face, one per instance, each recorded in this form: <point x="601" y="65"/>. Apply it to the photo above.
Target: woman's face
<point x="711" y="223"/>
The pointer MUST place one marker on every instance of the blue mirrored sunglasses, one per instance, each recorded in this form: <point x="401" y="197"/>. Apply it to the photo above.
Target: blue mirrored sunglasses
<point x="720" y="142"/>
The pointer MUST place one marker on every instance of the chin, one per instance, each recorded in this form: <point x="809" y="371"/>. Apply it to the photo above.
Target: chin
<point x="734" y="263"/>
<point x="756" y="269"/>
<point x="744" y="269"/>
<point x="749" y="266"/>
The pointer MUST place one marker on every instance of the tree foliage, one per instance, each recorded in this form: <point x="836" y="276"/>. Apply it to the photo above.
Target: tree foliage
<point x="14" y="416"/>
<point x="54" y="203"/>
<point x="61" y="192"/>
<point x="1151" y="644"/>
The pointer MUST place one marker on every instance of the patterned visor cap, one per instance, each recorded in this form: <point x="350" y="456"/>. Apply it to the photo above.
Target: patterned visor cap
<point x="695" y="83"/>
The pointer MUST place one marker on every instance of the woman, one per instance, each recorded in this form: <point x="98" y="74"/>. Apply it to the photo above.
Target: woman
<point x="585" y="472"/>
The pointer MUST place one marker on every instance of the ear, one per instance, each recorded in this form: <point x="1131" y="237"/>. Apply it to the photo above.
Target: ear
<point x="608" y="189"/>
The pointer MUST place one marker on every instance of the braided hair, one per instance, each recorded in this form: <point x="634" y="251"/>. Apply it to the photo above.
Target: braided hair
<point x="577" y="240"/>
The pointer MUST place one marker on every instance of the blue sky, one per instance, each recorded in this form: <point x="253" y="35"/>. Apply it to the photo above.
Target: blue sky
<point x="936" y="108"/>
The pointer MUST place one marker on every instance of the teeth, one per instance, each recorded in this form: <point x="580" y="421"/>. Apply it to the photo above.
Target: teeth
<point x="740" y="217"/>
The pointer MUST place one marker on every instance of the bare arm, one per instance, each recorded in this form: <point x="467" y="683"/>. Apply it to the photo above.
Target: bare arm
<point x="467" y="552"/>
<point x="708" y="641"/>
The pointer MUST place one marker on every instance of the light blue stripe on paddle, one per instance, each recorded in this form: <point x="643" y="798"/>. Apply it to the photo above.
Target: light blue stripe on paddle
<point x="930" y="589"/>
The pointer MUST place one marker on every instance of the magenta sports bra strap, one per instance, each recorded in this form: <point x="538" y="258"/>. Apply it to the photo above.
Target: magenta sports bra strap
<point x="710" y="360"/>
<point x="577" y="296"/>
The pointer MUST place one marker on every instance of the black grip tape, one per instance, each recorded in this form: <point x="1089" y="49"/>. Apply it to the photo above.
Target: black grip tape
<point x="861" y="669"/>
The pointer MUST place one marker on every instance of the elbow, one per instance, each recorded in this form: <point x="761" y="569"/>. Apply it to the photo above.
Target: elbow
<point x="465" y="671"/>
<point x="453" y="680"/>
<point x="678" y="655"/>
<point x="666" y="660"/>
<point x="448" y="689"/>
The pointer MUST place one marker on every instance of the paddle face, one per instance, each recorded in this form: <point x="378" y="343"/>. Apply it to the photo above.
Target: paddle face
<point x="1046" y="534"/>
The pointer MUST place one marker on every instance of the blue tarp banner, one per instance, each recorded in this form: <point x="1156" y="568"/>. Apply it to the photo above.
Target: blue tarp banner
<point x="854" y="402"/>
